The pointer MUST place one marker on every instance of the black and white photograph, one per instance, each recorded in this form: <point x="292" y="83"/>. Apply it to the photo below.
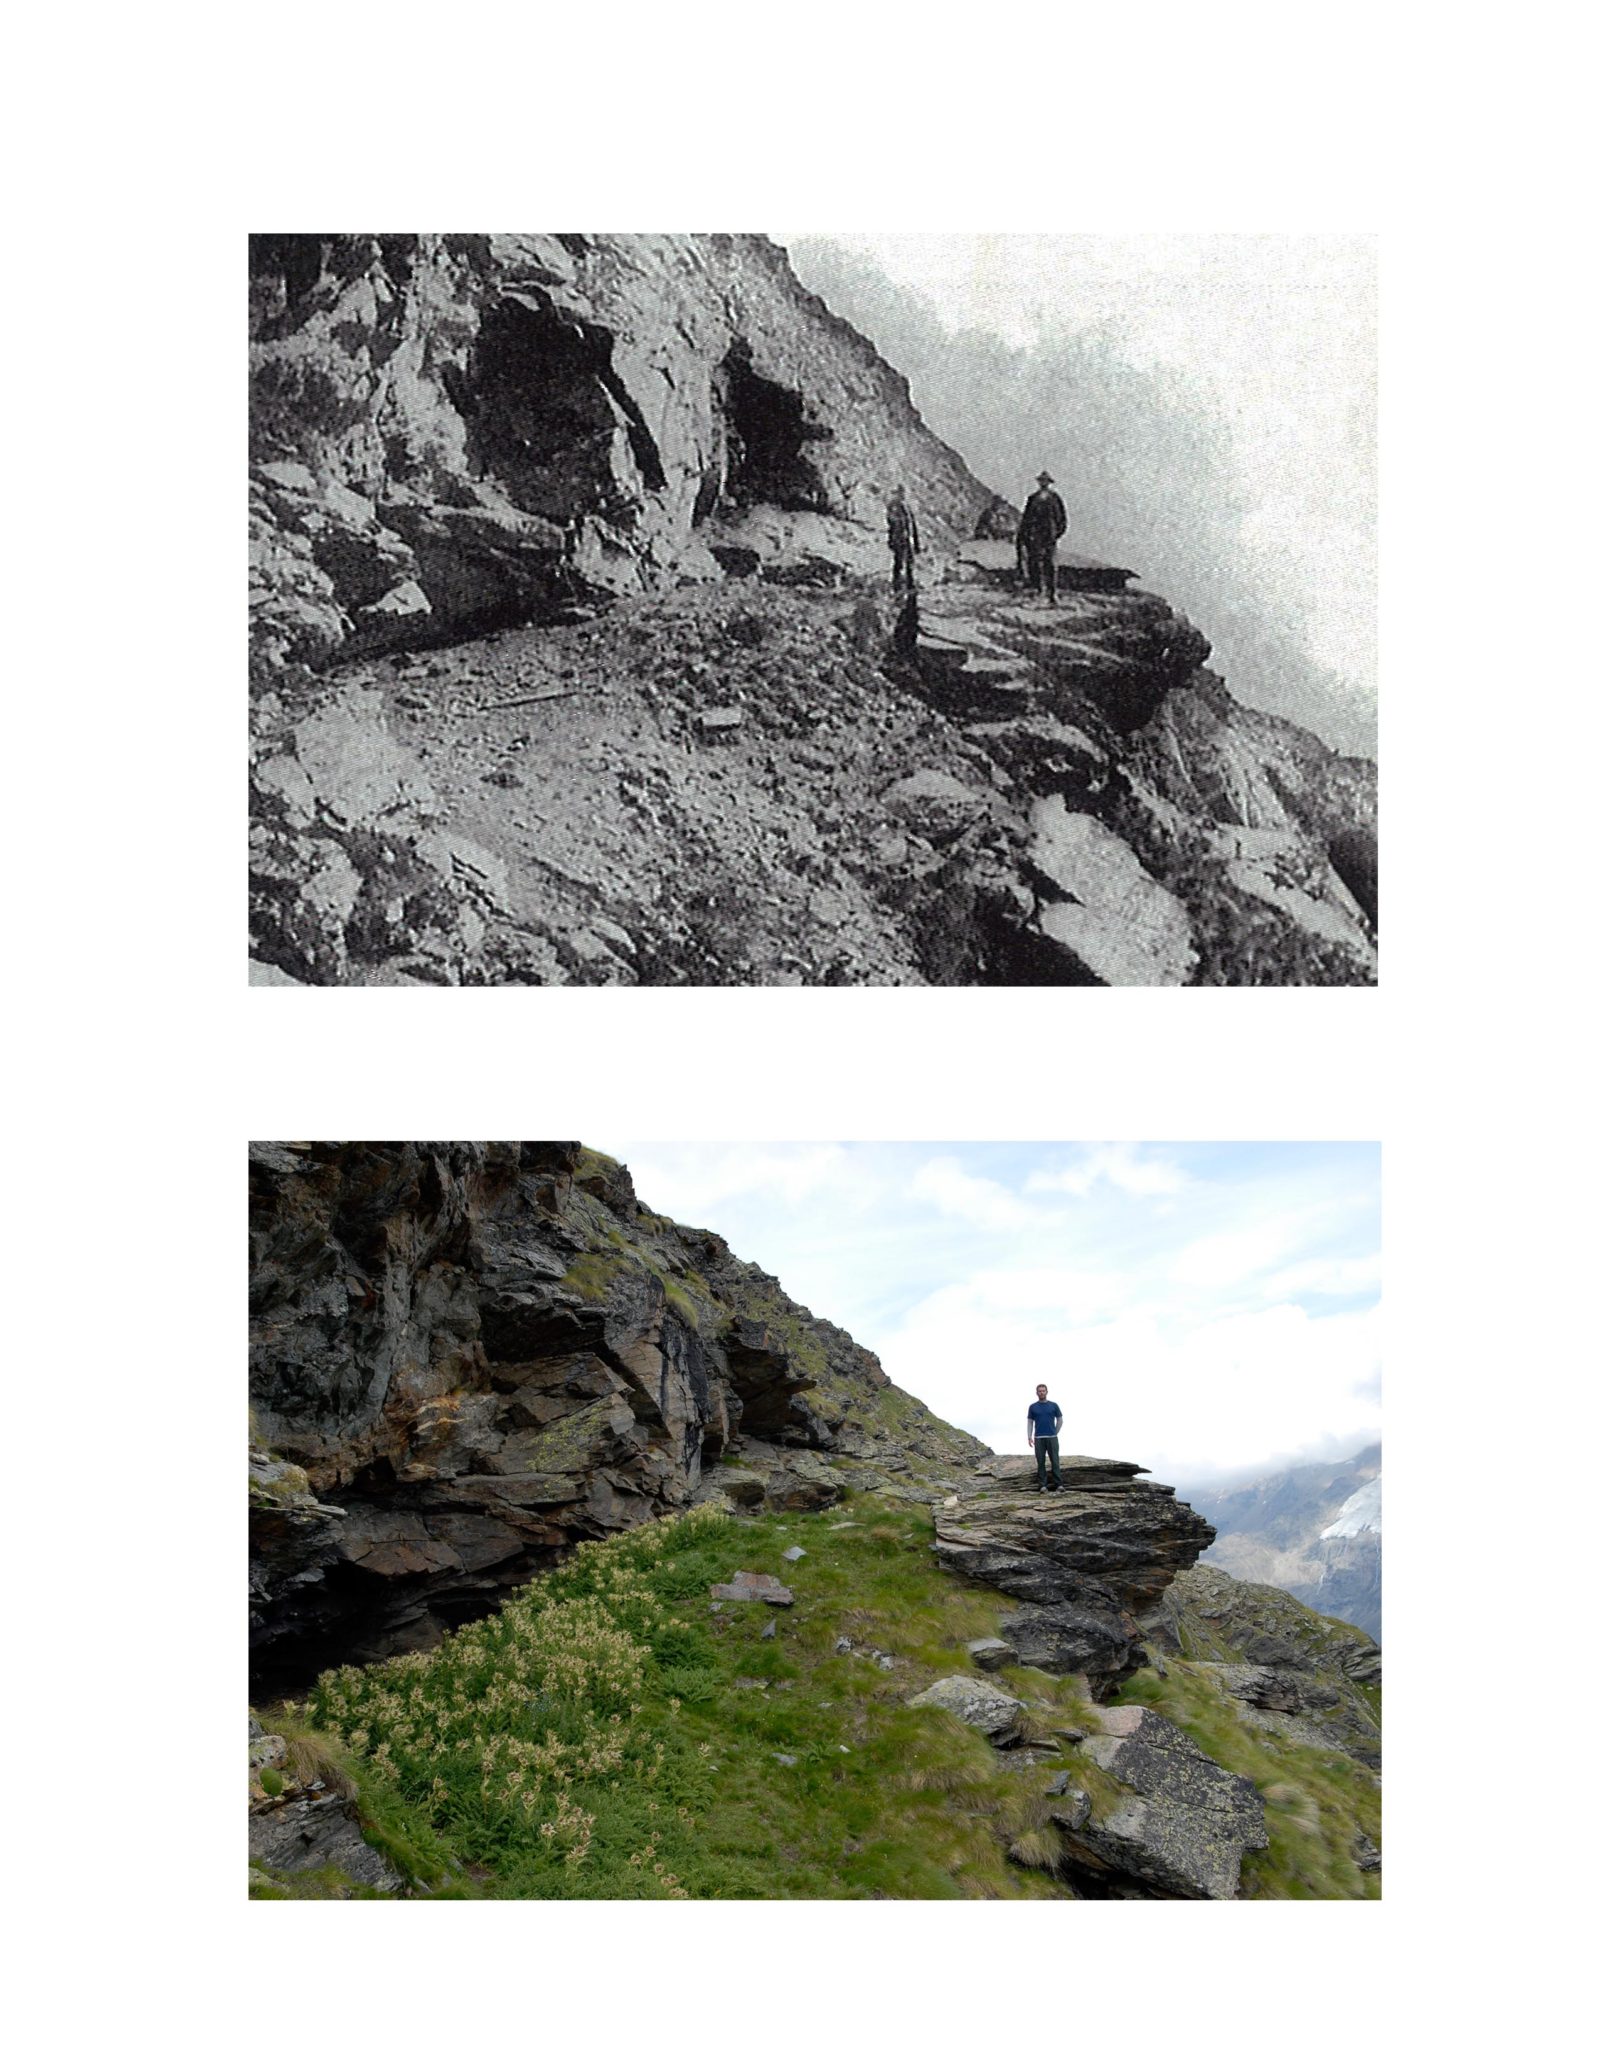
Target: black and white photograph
<point x="726" y="610"/>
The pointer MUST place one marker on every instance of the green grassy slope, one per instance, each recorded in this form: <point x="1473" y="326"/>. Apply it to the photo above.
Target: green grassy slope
<point x="606" y="1735"/>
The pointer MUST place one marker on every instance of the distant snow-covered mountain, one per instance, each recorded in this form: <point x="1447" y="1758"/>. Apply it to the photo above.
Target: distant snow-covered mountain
<point x="1314" y="1530"/>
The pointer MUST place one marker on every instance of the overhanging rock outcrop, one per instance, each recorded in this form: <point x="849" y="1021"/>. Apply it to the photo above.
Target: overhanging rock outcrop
<point x="466" y="1357"/>
<point x="1085" y="1561"/>
<point x="457" y="432"/>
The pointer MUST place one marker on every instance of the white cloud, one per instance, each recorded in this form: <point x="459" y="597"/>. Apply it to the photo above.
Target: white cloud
<point x="687" y="1181"/>
<point x="1188" y="1394"/>
<point x="947" y="1185"/>
<point x="1046" y="1294"/>
<point x="1328" y="1276"/>
<point x="1202" y="1309"/>
<point x="1118" y="1164"/>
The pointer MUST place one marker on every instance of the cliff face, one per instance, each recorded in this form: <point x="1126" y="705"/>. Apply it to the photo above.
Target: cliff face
<point x="467" y="1357"/>
<point x="568" y="558"/>
<point x="451" y="433"/>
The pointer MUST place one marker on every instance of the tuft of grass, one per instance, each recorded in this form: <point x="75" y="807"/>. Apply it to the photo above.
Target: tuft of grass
<point x="311" y="1756"/>
<point x="1040" y="1848"/>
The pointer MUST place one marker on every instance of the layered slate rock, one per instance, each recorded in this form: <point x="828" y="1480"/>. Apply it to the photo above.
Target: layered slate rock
<point x="467" y="1357"/>
<point x="1176" y="836"/>
<point x="1085" y="1560"/>
<point x="310" y="1827"/>
<point x="1219" y="1615"/>
<point x="1182" y="1826"/>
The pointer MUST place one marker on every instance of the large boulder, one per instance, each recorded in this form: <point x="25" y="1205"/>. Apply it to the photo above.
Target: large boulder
<point x="1182" y="1825"/>
<point x="1122" y="926"/>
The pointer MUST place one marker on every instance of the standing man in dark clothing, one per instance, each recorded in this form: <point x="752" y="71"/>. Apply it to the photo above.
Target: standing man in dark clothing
<point x="903" y="541"/>
<point x="1044" y="519"/>
<point x="1044" y="1435"/>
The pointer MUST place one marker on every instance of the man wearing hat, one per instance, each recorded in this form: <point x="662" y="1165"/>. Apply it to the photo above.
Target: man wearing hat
<point x="1044" y="519"/>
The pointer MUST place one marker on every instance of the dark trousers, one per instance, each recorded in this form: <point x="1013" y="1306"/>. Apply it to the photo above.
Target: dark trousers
<point x="904" y="565"/>
<point x="1040" y="565"/>
<point x="1048" y="1449"/>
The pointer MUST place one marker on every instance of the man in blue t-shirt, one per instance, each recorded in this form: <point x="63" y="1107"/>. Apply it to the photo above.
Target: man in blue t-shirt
<point x="1044" y="1429"/>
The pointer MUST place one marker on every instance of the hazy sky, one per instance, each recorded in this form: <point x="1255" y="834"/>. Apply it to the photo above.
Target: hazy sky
<point x="1202" y="1308"/>
<point x="1276" y="335"/>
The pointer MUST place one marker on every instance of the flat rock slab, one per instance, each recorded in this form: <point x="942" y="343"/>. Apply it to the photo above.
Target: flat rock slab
<point x="994" y="1712"/>
<point x="992" y="1654"/>
<point x="999" y="557"/>
<point x="1078" y="1470"/>
<point x="749" y="1588"/>
<point x="1117" y="921"/>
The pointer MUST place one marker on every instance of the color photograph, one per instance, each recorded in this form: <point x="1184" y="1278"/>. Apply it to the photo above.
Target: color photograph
<point x="591" y="1559"/>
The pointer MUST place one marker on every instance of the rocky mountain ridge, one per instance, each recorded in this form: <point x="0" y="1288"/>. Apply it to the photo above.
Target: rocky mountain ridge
<point x="567" y="554"/>
<point x="476" y="1365"/>
<point x="467" y="1358"/>
<point x="1314" y="1530"/>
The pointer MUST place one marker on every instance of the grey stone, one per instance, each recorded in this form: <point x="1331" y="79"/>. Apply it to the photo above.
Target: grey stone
<point x="313" y="1830"/>
<point x="794" y="1553"/>
<point x="991" y="1654"/>
<point x="1073" y="1810"/>
<point x="994" y="1712"/>
<point x="1184" y="1823"/>
<point x="748" y="1587"/>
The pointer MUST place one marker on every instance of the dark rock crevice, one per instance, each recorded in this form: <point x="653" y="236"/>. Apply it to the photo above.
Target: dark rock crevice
<point x="767" y="430"/>
<point x="547" y="409"/>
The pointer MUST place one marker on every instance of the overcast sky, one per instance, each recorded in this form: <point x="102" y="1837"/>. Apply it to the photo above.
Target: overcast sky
<point x="1274" y="336"/>
<point x="1203" y="1308"/>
